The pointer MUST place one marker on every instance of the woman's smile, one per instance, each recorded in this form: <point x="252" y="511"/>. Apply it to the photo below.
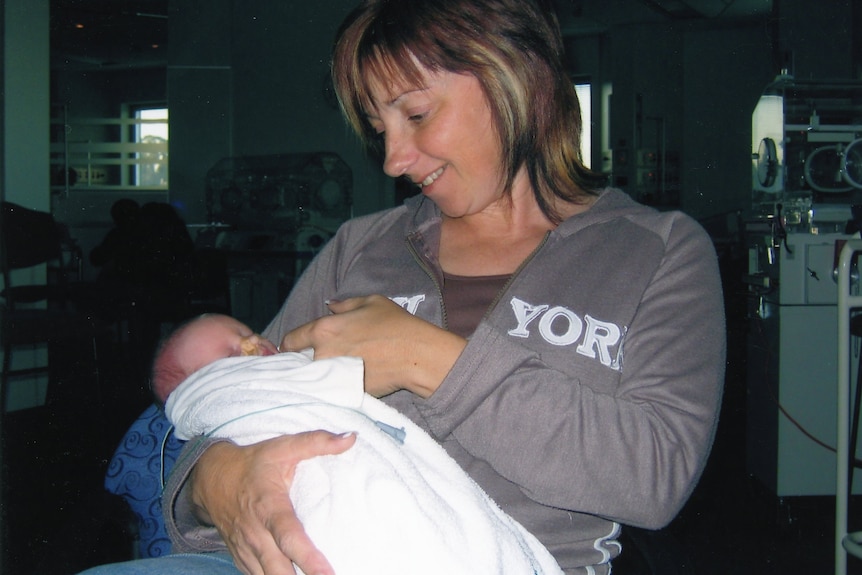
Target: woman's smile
<point x="432" y="177"/>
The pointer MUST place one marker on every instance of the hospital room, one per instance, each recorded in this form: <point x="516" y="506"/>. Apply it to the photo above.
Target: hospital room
<point x="445" y="218"/>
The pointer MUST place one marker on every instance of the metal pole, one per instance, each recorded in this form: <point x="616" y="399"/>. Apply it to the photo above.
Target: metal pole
<point x="846" y="302"/>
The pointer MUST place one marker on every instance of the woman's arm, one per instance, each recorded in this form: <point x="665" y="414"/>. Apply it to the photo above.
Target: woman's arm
<point x="626" y="445"/>
<point x="400" y="351"/>
<point x="243" y="492"/>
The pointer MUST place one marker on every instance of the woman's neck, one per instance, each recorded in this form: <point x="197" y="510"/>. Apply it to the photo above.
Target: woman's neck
<point x="498" y="239"/>
<point x="493" y="242"/>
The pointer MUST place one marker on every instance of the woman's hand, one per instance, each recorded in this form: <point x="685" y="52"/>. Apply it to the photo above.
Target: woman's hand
<point x="400" y="351"/>
<point x="244" y="493"/>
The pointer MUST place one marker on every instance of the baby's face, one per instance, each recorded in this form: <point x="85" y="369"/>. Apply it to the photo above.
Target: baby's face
<point x="214" y="337"/>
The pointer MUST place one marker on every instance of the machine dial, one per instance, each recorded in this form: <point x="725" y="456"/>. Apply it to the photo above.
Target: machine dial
<point x="823" y="170"/>
<point x="767" y="162"/>
<point x="851" y="163"/>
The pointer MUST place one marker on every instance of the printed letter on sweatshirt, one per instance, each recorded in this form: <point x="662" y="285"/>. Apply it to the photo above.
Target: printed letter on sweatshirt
<point x="524" y="313"/>
<point x="411" y="304"/>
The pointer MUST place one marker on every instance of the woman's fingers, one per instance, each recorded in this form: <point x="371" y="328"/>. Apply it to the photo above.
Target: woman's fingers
<point x="351" y="317"/>
<point x="251" y="508"/>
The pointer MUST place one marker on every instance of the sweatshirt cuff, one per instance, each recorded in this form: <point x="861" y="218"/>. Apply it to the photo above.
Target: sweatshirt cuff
<point x="187" y="534"/>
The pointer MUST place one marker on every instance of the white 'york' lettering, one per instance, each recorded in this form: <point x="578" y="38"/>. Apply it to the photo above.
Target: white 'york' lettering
<point x="411" y="304"/>
<point x="524" y="313"/>
<point x="561" y="326"/>
<point x="568" y="337"/>
<point x="600" y="337"/>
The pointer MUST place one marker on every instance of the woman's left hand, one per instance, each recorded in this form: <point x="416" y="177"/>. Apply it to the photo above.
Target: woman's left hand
<point x="400" y="351"/>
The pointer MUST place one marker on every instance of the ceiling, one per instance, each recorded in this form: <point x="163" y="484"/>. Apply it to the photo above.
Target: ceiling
<point x="107" y="34"/>
<point x="580" y="17"/>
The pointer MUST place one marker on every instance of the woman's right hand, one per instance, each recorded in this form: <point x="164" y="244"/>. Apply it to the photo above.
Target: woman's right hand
<point x="244" y="493"/>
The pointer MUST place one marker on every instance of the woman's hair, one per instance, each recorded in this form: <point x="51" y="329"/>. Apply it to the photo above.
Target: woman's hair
<point x="512" y="47"/>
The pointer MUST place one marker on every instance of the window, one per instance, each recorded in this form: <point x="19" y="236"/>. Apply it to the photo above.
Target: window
<point x="584" y="91"/>
<point x="151" y="138"/>
<point x="128" y="151"/>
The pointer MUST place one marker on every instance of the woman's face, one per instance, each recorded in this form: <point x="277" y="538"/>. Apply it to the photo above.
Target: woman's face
<point x="440" y="135"/>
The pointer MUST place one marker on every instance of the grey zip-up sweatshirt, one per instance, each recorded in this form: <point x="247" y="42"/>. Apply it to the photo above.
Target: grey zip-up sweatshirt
<point x="587" y="397"/>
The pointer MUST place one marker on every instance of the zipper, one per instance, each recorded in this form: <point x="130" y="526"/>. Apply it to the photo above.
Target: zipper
<point x="514" y="276"/>
<point x="424" y="265"/>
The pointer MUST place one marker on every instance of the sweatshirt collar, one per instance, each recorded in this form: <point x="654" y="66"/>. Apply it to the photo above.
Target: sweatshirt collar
<point x="610" y="204"/>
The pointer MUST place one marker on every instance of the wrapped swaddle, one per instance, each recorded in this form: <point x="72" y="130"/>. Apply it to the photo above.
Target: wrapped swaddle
<point x="394" y="503"/>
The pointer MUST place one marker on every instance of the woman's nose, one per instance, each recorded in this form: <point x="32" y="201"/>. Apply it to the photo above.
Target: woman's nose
<point x="400" y="155"/>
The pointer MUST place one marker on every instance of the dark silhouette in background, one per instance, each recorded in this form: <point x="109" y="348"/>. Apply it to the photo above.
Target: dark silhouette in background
<point x="114" y="254"/>
<point x="147" y="274"/>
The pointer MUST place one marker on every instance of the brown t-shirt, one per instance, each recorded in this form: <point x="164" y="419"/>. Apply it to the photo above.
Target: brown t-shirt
<point x="467" y="299"/>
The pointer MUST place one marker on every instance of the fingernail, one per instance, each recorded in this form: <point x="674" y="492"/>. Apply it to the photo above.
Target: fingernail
<point x="346" y="434"/>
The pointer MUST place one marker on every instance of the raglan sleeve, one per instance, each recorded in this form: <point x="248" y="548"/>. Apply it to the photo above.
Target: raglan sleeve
<point x="632" y="454"/>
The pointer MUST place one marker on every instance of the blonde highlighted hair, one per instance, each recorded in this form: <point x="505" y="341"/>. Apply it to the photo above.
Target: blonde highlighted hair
<point x="513" y="48"/>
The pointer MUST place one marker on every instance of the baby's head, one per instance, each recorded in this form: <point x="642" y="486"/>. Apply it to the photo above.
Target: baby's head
<point x="198" y="343"/>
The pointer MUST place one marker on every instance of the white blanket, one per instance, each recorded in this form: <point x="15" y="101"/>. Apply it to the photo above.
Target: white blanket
<point x="382" y="507"/>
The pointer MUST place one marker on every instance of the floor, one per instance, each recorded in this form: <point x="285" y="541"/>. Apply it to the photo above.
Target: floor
<point x="58" y="519"/>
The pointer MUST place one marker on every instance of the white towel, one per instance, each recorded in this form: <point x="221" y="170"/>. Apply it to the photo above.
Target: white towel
<point x="381" y="507"/>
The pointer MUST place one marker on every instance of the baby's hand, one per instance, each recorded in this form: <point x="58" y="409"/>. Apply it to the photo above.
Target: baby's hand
<point x="257" y="345"/>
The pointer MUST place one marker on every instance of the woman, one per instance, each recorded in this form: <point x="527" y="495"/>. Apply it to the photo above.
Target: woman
<point x="564" y="344"/>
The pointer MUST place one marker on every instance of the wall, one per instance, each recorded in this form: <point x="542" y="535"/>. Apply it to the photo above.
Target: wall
<point x="691" y="87"/>
<point x="701" y="79"/>
<point x="724" y="72"/>
<point x="25" y="174"/>
<point x="4" y="546"/>
<point x="819" y="36"/>
<point x="247" y="78"/>
<point x="200" y="98"/>
<point x="688" y="87"/>
<point x="26" y="103"/>
<point x="644" y="67"/>
<point x="98" y="93"/>
<point x="279" y="93"/>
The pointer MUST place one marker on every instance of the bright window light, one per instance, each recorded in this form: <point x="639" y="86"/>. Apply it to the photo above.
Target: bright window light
<point x="152" y="169"/>
<point x="584" y="92"/>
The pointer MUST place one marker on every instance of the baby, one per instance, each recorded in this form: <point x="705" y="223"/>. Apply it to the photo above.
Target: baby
<point x="395" y="501"/>
<point x="200" y="342"/>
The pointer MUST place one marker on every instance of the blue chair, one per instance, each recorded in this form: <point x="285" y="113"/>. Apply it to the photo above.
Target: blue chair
<point x="137" y="473"/>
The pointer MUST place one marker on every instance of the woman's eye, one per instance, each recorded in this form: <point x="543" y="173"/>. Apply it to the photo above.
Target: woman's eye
<point x="416" y="117"/>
